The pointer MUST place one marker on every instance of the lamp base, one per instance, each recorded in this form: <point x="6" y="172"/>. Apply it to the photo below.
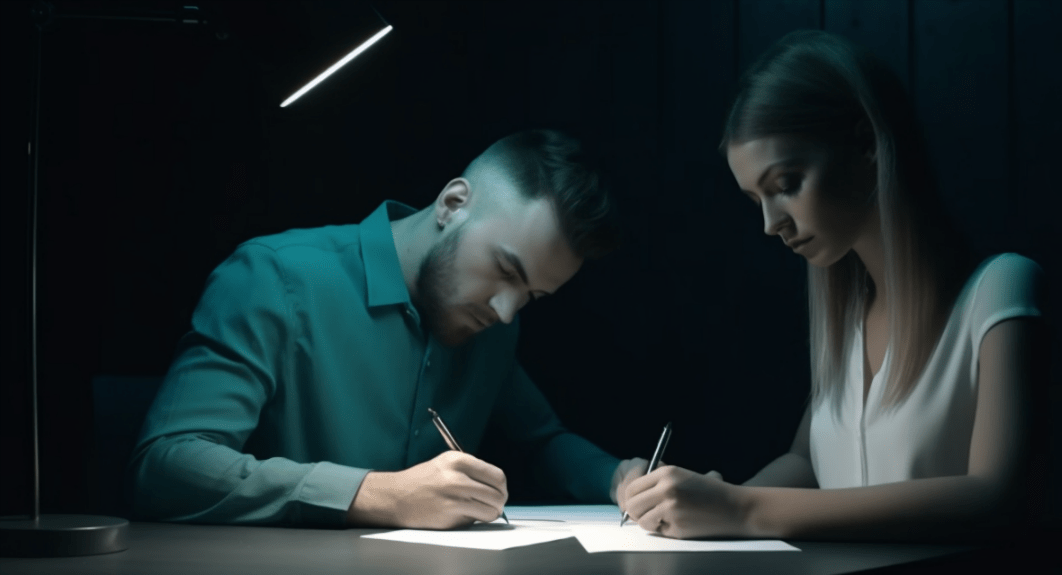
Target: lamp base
<point x="62" y="535"/>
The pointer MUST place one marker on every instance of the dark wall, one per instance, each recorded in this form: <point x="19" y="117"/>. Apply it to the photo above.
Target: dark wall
<point x="163" y="149"/>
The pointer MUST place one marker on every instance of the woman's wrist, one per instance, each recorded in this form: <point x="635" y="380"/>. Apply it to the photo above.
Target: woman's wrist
<point x="748" y="503"/>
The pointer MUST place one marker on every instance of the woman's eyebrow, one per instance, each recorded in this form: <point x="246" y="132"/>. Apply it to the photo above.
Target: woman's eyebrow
<point x="787" y="162"/>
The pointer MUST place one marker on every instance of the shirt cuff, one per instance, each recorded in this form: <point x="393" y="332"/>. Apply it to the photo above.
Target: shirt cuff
<point x="327" y="492"/>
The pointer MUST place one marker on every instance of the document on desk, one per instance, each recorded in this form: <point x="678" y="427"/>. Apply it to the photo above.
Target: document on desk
<point x="598" y="531"/>
<point x="596" y="527"/>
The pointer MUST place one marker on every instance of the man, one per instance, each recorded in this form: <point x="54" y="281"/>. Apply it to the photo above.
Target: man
<point x="301" y="395"/>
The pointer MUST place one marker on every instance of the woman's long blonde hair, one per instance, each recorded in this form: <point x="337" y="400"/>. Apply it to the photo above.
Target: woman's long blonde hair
<point x="815" y="84"/>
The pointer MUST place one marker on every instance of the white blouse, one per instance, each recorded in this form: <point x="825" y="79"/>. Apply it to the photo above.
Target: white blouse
<point x="928" y="435"/>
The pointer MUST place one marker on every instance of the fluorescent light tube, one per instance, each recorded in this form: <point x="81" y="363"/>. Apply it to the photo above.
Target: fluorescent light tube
<point x="331" y="70"/>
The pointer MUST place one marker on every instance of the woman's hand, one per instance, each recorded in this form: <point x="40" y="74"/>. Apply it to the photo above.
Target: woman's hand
<point x="681" y="504"/>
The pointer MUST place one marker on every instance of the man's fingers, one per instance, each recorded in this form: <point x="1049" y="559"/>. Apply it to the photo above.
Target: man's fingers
<point x="482" y="472"/>
<point x="714" y="474"/>
<point x="468" y="489"/>
<point x="476" y="510"/>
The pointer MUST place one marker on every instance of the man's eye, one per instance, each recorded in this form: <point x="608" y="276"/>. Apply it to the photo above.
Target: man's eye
<point x="506" y="273"/>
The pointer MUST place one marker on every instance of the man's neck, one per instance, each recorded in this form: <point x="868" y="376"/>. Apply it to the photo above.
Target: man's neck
<point x="411" y="243"/>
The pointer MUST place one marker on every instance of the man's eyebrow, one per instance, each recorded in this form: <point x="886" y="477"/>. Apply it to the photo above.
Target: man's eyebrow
<point x="514" y="261"/>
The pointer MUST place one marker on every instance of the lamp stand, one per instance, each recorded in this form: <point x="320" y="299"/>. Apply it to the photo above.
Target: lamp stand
<point x="50" y="535"/>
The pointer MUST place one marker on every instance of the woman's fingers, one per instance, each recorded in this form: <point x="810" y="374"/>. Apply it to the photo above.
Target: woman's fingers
<point x="646" y="493"/>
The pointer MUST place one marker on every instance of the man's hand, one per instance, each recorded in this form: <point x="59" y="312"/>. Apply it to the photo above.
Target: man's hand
<point x="452" y="490"/>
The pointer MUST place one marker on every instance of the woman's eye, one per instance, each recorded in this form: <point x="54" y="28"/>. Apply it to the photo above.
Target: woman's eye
<point x="789" y="185"/>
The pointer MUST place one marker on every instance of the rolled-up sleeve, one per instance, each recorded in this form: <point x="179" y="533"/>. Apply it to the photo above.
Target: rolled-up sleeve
<point x="189" y="465"/>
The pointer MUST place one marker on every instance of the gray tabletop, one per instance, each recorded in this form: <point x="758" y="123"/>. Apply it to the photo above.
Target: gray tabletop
<point x="159" y="548"/>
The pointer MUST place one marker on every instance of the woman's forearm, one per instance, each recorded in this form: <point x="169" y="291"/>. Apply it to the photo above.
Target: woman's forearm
<point x="789" y="470"/>
<point x="939" y="508"/>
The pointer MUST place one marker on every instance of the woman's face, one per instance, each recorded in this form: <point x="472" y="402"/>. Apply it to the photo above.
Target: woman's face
<point x="816" y="196"/>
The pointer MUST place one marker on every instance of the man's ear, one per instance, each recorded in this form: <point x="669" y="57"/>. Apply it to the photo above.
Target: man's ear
<point x="451" y="200"/>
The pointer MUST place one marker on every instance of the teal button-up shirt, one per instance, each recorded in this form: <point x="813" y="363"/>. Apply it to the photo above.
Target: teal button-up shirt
<point x="307" y="367"/>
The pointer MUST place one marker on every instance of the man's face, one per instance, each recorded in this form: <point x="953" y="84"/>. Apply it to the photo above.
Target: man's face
<point x="486" y="267"/>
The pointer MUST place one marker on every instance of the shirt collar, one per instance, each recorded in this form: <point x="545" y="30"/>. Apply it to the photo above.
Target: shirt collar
<point x="383" y="273"/>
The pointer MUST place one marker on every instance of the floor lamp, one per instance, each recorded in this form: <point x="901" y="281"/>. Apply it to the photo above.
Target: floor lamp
<point x="64" y="535"/>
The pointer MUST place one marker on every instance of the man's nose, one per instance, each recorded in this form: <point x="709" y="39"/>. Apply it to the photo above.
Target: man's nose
<point x="774" y="218"/>
<point x="505" y="304"/>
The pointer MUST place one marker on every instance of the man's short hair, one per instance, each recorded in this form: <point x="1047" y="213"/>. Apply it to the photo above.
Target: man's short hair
<point x="552" y="164"/>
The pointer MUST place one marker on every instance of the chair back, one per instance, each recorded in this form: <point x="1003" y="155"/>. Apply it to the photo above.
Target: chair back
<point x="121" y="403"/>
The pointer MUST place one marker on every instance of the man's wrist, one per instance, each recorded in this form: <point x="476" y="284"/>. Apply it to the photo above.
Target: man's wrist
<point x="369" y="507"/>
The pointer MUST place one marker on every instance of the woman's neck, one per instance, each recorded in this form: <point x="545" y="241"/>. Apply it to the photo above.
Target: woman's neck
<point x="870" y="247"/>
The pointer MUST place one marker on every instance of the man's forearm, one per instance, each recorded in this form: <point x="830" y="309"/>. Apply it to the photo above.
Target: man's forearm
<point x="189" y="479"/>
<point x="579" y="467"/>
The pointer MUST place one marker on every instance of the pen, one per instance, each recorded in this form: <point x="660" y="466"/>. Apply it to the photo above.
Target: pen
<point x="450" y="439"/>
<point x="657" y="455"/>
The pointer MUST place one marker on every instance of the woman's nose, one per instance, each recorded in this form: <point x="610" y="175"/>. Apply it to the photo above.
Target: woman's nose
<point x="774" y="218"/>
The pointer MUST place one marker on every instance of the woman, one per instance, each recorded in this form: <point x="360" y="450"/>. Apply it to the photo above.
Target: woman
<point x="921" y="370"/>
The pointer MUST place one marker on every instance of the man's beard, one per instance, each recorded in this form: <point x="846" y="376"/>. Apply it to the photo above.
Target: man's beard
<point x="436" y="286"/>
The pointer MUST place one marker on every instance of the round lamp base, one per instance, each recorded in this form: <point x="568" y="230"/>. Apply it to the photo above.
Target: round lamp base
<point x="62" y="535"/>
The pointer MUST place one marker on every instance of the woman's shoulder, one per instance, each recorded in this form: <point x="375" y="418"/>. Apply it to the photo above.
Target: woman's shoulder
<point x="1005" y="271"/>
<point x="1003" y="286"/>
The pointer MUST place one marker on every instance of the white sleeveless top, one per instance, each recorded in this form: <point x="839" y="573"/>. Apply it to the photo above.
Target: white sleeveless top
<point x="928" y="435"/>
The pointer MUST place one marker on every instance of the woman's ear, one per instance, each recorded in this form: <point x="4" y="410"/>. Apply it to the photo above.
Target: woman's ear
<point x="451" y="199"/>
<point x="865" y="139"/>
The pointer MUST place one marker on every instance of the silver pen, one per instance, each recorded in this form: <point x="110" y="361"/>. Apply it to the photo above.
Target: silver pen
<point x="657" y="455"/>
<point x="450" y="439"/>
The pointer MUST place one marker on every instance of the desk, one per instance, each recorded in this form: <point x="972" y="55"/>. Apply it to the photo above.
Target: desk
<point x="161" y="548"/>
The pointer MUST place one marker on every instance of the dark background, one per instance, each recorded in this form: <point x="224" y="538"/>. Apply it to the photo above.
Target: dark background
<point x="163" y="148"/>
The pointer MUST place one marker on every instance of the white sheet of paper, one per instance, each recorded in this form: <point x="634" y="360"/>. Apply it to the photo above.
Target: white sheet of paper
<point x="492" y="536"/>
<point x="595" y="526"/>
<point x="631" y="537"/>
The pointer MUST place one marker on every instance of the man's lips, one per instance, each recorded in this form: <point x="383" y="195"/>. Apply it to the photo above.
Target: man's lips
<point x="480" y="319"/>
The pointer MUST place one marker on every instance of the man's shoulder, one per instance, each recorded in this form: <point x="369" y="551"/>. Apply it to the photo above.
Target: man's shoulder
<point x="292" y="243"/>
